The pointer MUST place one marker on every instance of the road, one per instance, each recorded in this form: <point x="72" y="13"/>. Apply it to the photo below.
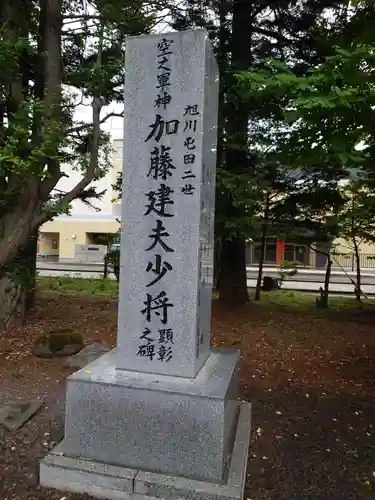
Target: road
<point x="304" y="280"/>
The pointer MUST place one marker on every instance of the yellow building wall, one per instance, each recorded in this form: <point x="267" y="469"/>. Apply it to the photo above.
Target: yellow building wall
<point x="312" y="258"/>
<point x="117" y="161"/>
<point x="69" y="232"/>
<point x="73" y="232"/>
<point x="342" y="246"/>
<point x="49" y="243"/>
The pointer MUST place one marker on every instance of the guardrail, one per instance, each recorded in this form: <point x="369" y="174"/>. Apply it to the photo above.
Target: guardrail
<point x="348" y="260"/>
<point x="301" y="277"/>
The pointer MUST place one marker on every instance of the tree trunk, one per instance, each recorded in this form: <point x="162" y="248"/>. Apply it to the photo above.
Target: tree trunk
<point x="233" y="286"/>
<point x="30" y="256"/>
<point x="263" y="242"/>
<point x="358" y="291"/>
<point x="233" y="283"/>
<point x="12" y="302"/>
<point x="323" y="301"/>
<point x="105" y="271"/>
<point x="17" y="286"/>
<point x="326" y="282"/>
<point x="217" y="250"/>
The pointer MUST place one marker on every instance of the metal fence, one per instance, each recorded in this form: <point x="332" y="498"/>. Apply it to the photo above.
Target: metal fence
<point x="345" y="260"/>
<point x="47" y="257"/>
<point x="348" y="260"/>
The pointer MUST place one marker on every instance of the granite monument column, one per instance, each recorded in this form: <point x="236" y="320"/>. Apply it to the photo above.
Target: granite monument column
<point x="159" y="417"/>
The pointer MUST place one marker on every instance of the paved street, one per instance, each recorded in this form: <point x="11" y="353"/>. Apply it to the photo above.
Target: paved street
<point x="313" y="279"/>
<point x="305" y="280"/>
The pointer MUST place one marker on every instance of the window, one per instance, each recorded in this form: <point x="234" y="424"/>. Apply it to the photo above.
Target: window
<point x="292" y="252"/>
<point x="117" y="209"/>
<point x="289" y="252"/>
<point x="119" y="152"/>
<point x="270" y="254"/>
<point x="297" y="253"/>
<point x="302" y="254"/>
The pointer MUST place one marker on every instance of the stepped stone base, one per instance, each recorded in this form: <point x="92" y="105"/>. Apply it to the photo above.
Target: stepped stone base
<point x="120" y="483"/>
<point x="132" y="435"/>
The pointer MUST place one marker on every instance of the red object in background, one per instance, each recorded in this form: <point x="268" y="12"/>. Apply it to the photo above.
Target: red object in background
<point x="280" y="248"/>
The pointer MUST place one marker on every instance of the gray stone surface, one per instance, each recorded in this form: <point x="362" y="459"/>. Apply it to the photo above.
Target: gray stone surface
<point x="239" y="456"/>
<point x="15" y="414"/>
<point x="88" y="354"/>
<point x="82" y="476"/>
<point x="212" y="381"/>
<point x="44" y="351"/>
<point x="192" y="84"/>
<point x="160" y="423"/>
<point x="162" y="406"/>
<point x="89" y="476"/>
<point x="58" y="343"/>
<point x="206" y="237"/>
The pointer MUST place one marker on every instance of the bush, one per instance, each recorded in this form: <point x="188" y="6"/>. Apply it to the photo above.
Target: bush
<point x="287" y="268"/>
<point x="113" y="258"/>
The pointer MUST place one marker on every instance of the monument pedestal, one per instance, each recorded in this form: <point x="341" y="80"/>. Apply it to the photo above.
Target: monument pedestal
<point x="160" y="418"/>
<point x="129" y="434"/>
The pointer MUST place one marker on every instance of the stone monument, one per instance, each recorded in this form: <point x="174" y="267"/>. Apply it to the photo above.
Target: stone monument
<point x="160" y="417"/>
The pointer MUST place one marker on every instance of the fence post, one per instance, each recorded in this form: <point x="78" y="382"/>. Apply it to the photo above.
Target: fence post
<point x="249" y="251"/>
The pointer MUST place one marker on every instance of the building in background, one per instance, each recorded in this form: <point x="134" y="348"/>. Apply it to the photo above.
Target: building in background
<point x="278" y="251"/>
<point x="64" y="237"/>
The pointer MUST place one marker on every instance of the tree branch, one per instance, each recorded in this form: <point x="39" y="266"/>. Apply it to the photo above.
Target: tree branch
<point x="52" y="26"/>
<point x="89" y="175"/>
<point x="272" y="34"/>
<point x="85" y="126"/>
<point x="90" y="172"/>
<point x="77" y="17"/>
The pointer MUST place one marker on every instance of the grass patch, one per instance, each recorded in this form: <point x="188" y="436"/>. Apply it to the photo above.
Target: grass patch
<point x="289" y="299"/>
<point x="292" y="299"/>
<point x="78" y="286"/>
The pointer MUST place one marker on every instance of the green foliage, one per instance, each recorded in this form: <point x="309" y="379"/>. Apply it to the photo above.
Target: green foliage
<point x="113" y="259"/>
<point x="326" y="112"/>
<point x="357" y="217"/>
<point x="78" y="286"/>
<point x="300" y="301"/>
<point x="287" y="268"/>
<point x="117" y="187"/>
<point x="319" y="126"/>
<point x="54" y="65"/>
<point x="47" y="76"/>
<point x="254" y="168"/>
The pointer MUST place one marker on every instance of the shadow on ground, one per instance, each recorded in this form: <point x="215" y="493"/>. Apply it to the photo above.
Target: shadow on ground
<point x="310" y="378"/>
<point x="311" y="446"/>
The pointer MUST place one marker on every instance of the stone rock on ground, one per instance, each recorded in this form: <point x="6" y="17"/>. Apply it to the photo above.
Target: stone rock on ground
<point x="87" y="355"/>
<point x="58" y="343"/>
<point x="15" y="414"/>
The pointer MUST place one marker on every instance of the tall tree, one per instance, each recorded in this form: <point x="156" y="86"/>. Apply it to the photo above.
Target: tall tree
<point x="286" y="31"/>
<point x="55" y="55"/>
<point x="327" y="112"/>
<point x="232" y="277"/>
<point x="357" y="221"/>
<point x="246" y="35"/>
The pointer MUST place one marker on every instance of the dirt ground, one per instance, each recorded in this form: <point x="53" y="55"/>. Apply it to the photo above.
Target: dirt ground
<point x="310" y="378"/>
